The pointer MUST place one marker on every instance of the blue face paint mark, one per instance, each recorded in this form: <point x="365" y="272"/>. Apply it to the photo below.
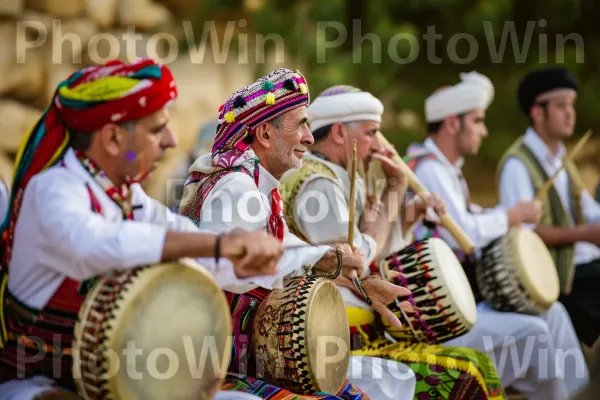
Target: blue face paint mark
<point x="131" y="156"/>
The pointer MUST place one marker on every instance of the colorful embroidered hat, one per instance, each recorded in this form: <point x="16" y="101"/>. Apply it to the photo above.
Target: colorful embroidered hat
<point x="252" y="106"/>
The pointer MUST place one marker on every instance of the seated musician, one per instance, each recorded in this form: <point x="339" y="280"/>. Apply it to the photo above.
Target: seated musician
<point x="78" y="214"/>
<point x="570" y="223"/>
<point x="321" y="187"/>
<point x="262" y="133"/>
<point x="456" y="128"/>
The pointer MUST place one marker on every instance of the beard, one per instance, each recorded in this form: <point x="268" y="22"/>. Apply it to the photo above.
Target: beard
<point x="283" y="157"/>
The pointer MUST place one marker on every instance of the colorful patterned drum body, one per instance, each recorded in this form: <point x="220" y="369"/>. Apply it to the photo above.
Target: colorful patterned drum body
<point x="158" y="332"/>
<point x="517" y="273"/>
<point x="440" y="289"/>
<point x="301" y="337"/>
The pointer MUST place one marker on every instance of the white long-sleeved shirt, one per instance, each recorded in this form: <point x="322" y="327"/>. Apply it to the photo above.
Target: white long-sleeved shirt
<point x="515" y="185"/>
<point x="58" y="236"/>
<point x="444" y="178"/>
<point x="236" y="202"/>
<point x="322" y="209"/>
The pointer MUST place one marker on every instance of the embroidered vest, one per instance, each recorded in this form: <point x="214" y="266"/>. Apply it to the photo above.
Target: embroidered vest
<point x="290" y="187"/>
<point x="38" y="342"/>
<point x="197" y="188"/>
<point x="429" y="229"/>
<point x="553" y="211"/>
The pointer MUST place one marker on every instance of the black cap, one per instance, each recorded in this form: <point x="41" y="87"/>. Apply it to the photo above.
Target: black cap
<point x="540" y="81"/>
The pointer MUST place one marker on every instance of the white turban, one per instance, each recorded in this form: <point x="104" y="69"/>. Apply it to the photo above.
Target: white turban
<point x="343" y="104"/>
<point x="474" y="91"/>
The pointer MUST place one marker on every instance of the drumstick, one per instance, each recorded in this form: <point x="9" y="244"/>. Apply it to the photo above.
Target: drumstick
<point x="465" y="243"/>
<point x="240" y="252"/>
<point x="355" y="281"/>
<point x="352" y="197"/>
<point x="568" y="158"/>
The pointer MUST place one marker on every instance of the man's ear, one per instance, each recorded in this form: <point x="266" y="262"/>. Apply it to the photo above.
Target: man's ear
<point x="264" y="135"/>
<point x="112" y="139"/>
<point x="452" y="125"/>
<point x="337" y="133"/>
<point x="537" y="113"/>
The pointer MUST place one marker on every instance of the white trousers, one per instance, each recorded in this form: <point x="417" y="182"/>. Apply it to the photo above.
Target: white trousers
<point x="538" y="355"/>
<point x="382" y="379"/>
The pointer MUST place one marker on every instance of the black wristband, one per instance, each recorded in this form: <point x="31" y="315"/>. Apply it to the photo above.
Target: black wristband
<point x="217" y="249"/>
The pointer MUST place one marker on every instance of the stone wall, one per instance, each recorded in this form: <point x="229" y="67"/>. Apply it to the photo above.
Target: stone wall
<point x="43" y="41"/>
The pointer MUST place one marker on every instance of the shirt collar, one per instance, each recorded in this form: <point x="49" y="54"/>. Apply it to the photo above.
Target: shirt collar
<point x="430" y="145"/>
<point x="540" y="150"/>
<point x="266" y="181"/>
<point x="72" y="164"/>
<point x="339" y="171"/>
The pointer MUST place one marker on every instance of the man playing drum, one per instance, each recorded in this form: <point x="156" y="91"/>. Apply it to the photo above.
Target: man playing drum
<point x="570" y="223"/>
<point x="79" y="212"/>
<point x="317" y="202"/>
<point x="456" y="127"/>
<point x="262" y="133"/>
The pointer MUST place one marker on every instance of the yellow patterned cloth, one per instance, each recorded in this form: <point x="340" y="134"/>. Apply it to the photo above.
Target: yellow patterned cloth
<point x="443" y="373"/>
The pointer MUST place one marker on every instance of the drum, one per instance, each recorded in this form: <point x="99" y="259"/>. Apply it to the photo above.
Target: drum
<point x="516" y="273"/>
<point x="157" y="332"/>
<point x="440" y="289"/>
<point x="301" y="338"/>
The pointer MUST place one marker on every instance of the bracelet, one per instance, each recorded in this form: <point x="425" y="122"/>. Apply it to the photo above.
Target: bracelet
<point x="359" y="287"/>
<point x="217" y="249"/>
<point x="339" y="266"/>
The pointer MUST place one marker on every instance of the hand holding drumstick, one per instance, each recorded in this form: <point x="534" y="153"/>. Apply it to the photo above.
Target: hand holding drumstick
<point x="376" y="291"/>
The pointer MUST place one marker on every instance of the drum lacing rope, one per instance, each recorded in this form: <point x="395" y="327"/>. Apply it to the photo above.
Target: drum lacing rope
<point x="421" y="281"/>
<point x="503" y="294"/>
<point x="420" y="323"/>
<point x="101" y="312"/>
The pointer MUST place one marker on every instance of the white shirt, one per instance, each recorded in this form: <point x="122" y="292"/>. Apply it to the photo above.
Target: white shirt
<point x="322" y="212"/>
<point x="58" y="235"/>
<point x="444" y="178"/>
<point x="516" y="185"/>
<point x="236" y="202"/>
<point x="322" y="209"/>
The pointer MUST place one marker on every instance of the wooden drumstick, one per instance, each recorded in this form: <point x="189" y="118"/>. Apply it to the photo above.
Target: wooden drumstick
<point x="352" y="201"/>
<point x="240" y="252"/>
<point x="465" y="243"/>
<point x="568" y="158"/>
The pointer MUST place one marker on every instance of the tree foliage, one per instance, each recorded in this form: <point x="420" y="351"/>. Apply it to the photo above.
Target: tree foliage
<point x="376" y="54"/>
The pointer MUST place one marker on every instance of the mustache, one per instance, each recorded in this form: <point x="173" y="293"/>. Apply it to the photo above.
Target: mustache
<point x="303" y="148"/>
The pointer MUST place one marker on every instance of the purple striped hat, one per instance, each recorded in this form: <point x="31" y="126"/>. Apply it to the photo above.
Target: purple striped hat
<point x="252" y="106"/>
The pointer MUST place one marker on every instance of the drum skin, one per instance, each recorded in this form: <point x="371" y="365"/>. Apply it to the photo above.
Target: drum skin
<point x="517" y="274"/>
<point x="145" y="334"/>
<point x="440" y="289"/>
<point x="301" y="338"/>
